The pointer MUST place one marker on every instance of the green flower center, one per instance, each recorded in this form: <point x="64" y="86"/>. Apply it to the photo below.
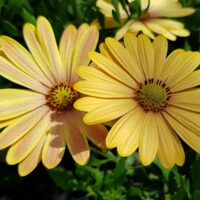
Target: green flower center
<point x="153" y="96"/>
<point x="61" y="97"/>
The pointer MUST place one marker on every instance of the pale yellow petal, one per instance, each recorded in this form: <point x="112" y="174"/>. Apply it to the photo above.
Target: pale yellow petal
<point x="86" y="42"/>
<point x="146" y="55"/>
<point x="185" y="133"/>
<point x="104" y="89"/>
<point x="95" y="133"/>
<point x="172" y="61"/>
<point x="112" y="69"/>
<point x="125" y="59"/>
<point x="10" y="72"/>
<point x="76" y="141"/>
<point x="22" y="59"/>
<point x="187" y="118"/>
<point x="187" y="100"/>
<point x="54" y="146"/>
<point x="131" y="139"/>
<point x="148" y="142"/>
<point x="15" y="102"/>
<point x="22" y="148"/>
<point x="110" y="110"/>
<point x="47" y="40"/>
<point x="190" y="81"/>
<point x="66" y="49"/>
<point x="39" y="55"/>
<point x="170" y="150"/>
<point x="122" y="31"/>
<point x="26" y="166"/>
<point x="188" y="63"/>
<point x="123" y="128"/>
<point x="159" y="29"/>
<point x="20" y="127"/>
<point x="160" y="47"/>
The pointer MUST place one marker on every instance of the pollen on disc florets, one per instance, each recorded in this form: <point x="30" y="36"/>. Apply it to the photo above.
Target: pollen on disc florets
<point x="61" y="97"/>
<point x="153" y="95"/>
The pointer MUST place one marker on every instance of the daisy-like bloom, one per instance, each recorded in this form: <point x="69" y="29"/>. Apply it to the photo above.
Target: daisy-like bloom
<point x="151" y="95"/>
<point x="155" y="20"/>
<point x="40" y="121"/>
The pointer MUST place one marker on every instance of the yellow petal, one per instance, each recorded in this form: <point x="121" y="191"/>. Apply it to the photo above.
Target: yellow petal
<point x="26" y="166"/>
<point x="54" y="146"/>
<point x="125" y="59"/>
<point x="123" y="128"/>
<point x="22" y="148"/>
<point x="39" y="55"/>
<point x="148" y="143"/>
<point x="190" y="81"/>
<point x="104" y="89"/>
<point x="15" y="102"/>
<point x="76" y="141"/>
<point x="9" y="71"/>
<point x="184" y="132"/>
<point x="66" y="49"/>
<point x="22" y="59"/>
<point x="110" y="110"/>
<point x="146" y="55"/>
<point x="187" y="100"/>
<point x="47" y="40"/>
<point x="21" y="126"/>
<point x="160" y="47"/>
<point x="170" y="150"/>
<point x="112" y="69"/>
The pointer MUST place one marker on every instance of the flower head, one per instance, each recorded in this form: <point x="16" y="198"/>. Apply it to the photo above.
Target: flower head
<point x="40" y="120"/>
<point x="151" y="95"/>
<point x="154" y="21"/>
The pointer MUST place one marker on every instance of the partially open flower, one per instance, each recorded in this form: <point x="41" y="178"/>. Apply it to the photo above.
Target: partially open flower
<point x="154" y="21"/>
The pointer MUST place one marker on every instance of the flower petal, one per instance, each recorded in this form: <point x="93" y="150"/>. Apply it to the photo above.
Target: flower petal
<point x="190" y="81"/>
<point x="76" y="141"/>
<point x="22" y="59"/>
<point x="146" y="55"/>
<point x="148" y="143"/>
<point x="22" y="148"/>
<point x="29" y="32"/>
<point x="15" y="102"/>
<point x="20" y="127"/>
<point x="127" y="125"/>
<point x="109" y="111"/>
<point x="104" y="89"/>
<point x="112" y="69"/>
<point x="66" y="49"/>
<point x="187" y="100"/>
<point x="54" y="146"/>
<point x="170" y="150"/>
<point x="10" y="72"/>
<point x="191" y="138"/>
<point x="26" y="166"/>
<point x="47" y="40"/>
<point x="160" y="47"/>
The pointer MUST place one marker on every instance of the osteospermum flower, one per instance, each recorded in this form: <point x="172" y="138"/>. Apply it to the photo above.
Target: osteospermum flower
<point x="41" y="120"/>
<point x="155" y="20"/>
<point x="151" y="96"/>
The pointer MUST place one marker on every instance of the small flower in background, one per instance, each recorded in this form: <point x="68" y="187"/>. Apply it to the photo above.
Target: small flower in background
<point x="152" y="22"/>
<point x="152" y="96"/>
<point x="41" y="121"/>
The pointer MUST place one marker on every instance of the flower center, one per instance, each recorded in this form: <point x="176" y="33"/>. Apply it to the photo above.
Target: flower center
<point x="153" y="96"/>
<point x="61" y="97"/>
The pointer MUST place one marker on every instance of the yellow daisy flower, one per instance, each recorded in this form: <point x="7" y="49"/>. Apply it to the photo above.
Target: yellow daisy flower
<point x="41" y="120"/>
<point x="151" y="96"/>
<point x="155" y="21"/>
